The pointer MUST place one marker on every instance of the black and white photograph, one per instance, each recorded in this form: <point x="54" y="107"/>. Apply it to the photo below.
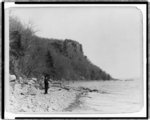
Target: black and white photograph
<point x="75" y="59"/>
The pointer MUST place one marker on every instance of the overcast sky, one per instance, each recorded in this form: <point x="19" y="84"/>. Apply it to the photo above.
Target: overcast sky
<point x="111" y="36"/>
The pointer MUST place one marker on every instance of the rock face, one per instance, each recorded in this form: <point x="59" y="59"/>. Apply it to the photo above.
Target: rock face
<point x="72" y="47"/>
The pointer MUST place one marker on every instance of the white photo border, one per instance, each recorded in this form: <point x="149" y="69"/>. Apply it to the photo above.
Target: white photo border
<point x="143" y="113"/>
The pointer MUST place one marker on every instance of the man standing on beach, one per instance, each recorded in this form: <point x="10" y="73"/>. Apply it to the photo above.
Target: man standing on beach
<point x="46" y="79"/>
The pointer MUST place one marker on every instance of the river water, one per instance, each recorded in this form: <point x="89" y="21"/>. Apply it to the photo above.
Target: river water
<point x="113" y="97"/>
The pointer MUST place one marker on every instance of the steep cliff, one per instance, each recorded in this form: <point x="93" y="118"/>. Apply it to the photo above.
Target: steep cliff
<point x="31" y="56"/>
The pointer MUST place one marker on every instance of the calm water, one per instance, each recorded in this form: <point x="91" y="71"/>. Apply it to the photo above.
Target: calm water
<point x="114" y="97"/>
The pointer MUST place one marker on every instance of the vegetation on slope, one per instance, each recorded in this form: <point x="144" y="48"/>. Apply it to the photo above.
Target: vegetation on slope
<point x="31" y="56"/>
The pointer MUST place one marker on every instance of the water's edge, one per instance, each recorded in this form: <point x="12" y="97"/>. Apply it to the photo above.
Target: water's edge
<point x="75" y="104"/>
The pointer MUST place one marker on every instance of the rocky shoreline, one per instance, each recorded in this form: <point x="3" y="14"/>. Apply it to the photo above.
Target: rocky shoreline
<point x="27" y="97"/>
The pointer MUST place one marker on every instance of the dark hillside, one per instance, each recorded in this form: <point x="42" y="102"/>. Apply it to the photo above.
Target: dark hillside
<point x="31" y="56"/>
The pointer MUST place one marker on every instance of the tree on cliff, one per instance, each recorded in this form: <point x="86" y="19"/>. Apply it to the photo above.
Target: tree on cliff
<point x="20" y="38"/>
<point x="50" y="65"/>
